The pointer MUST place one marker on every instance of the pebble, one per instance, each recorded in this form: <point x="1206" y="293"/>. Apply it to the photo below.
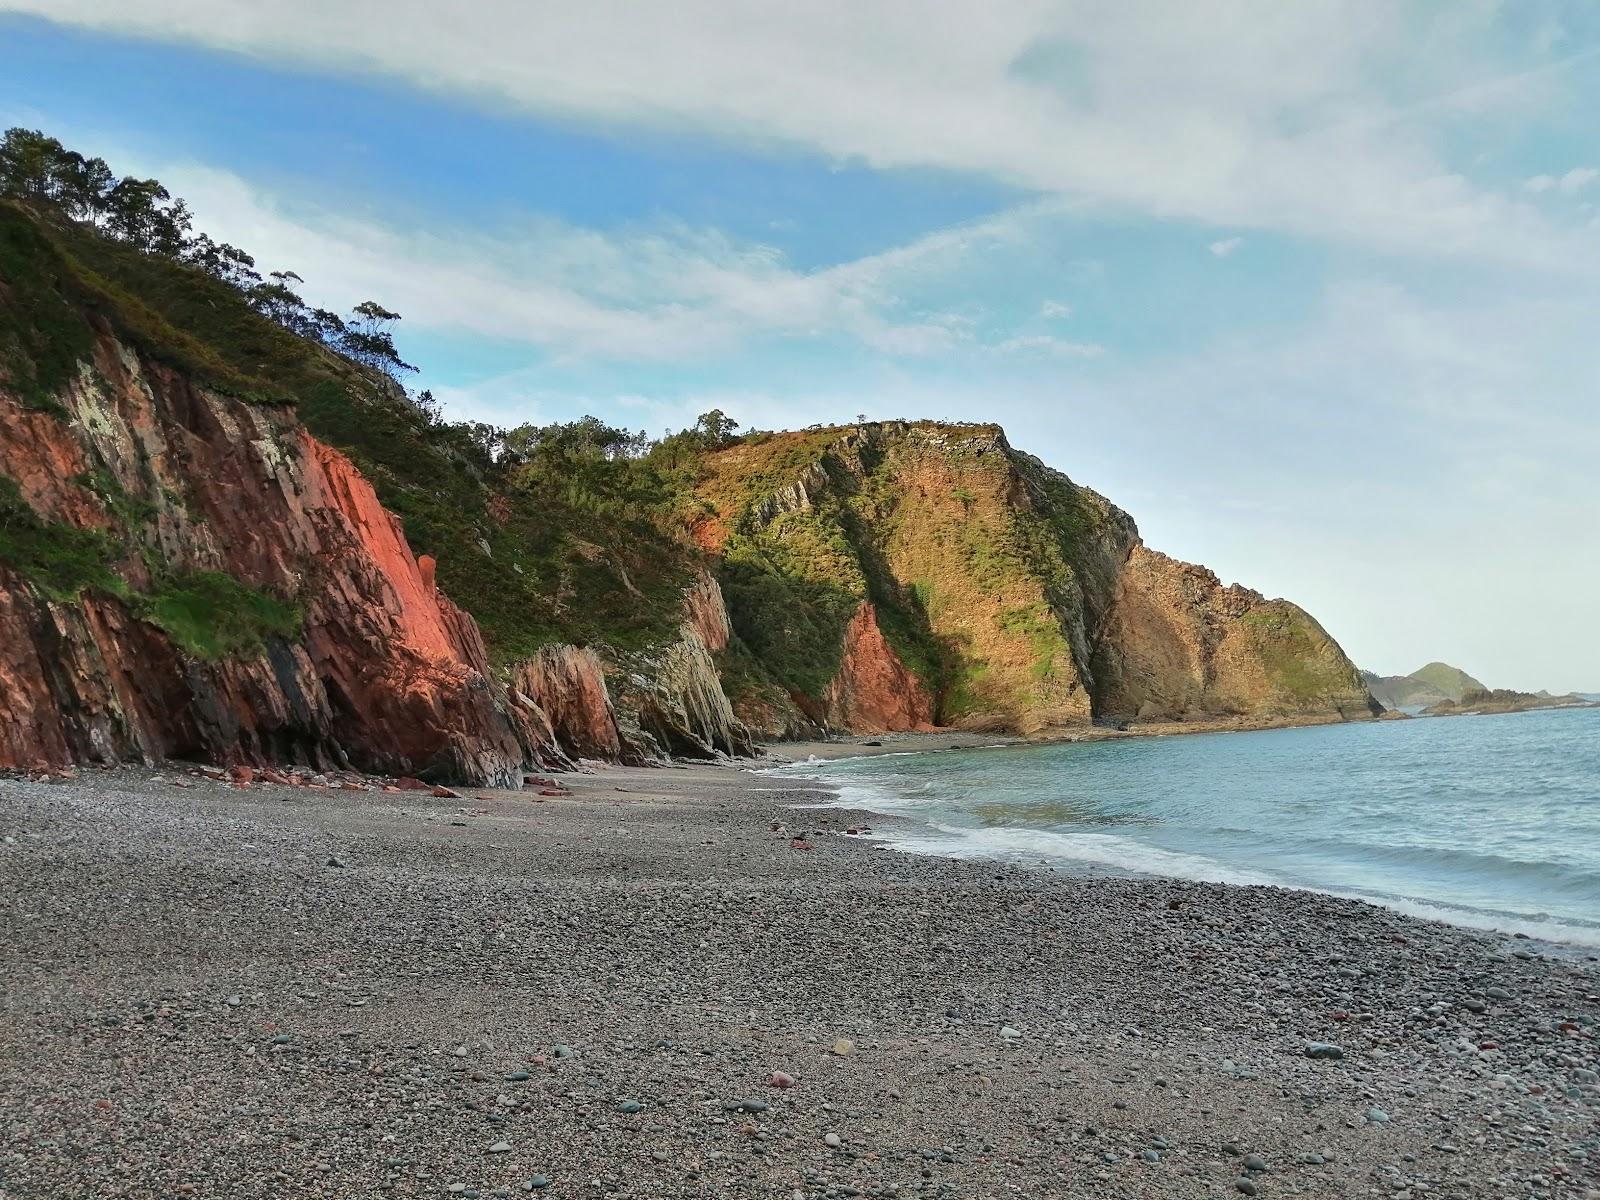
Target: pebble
<point x="1009" y="1033"/>
<point x="1254" y="1162"/>
<point x="499" y="1148"/>
<point x="1247" y="1186"/>
<point x="832" y="1139"/>
<point x="1324" y="1050"/>
<point x="843" y="1047"/>
<point x="1376" y="1116"/>
<point x="537" y="1183"/>
<point x="629" y="1107"/>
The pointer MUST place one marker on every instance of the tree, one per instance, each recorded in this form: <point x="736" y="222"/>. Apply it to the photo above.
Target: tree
<point x="135" y="214"/>
<point x="31" y="165"/>
<point x="715" y="428"/>
<point x="222" y="261"/>
<point x="86" y="189"/>
<point x="367" y="339"/>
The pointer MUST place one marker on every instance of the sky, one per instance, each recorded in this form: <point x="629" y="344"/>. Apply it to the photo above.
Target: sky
<point x="1311" y="289"/>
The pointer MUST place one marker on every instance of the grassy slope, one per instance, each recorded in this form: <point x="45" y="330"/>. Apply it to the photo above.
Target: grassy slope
<point x="529" y="569"/>
<point x="1448" y="681"/>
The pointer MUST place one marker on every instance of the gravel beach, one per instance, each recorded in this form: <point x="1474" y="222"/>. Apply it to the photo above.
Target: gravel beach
<point x="679" y="983"/>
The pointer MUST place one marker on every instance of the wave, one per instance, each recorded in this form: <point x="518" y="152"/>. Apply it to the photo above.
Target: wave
<point x="920" y="801"/>
<point x="1100" y="849"/>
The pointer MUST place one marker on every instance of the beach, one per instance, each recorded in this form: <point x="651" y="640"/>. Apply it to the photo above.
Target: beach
<point x="281" y="991"/>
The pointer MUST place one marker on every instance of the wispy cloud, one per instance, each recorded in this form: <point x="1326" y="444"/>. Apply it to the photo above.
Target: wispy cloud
<point x="663" y="292"/>
<point x="1046" y="345"/>
<point x="1054" y="310"/>
<point x="1311" y="119"/>
<point x="1225" y="247"/>
<point x="1567" y="184"/>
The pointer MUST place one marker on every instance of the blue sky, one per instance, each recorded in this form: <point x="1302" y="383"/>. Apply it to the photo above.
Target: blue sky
<point x="1310" y="289"/>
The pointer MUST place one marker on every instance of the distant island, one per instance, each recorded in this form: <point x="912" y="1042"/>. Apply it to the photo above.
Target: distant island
<point x="1440" y="690"/>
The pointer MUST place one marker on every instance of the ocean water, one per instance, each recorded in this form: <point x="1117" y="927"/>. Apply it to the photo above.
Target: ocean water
<point x="1491" y="822"/>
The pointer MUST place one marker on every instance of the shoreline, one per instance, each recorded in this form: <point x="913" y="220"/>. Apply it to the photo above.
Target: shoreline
<point x="1566" y="937"/>
<point x="953" y="738"/>
<point x="483" y="988"/>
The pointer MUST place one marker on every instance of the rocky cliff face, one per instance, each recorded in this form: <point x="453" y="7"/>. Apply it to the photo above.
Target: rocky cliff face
<point x="1177" y="645"/>
<point x="897" y="575"/>
<point x="244" y="596"/>
<point x="233" y="591"/>
<point x="644" y="708"/>
<point x="207" y="526"/>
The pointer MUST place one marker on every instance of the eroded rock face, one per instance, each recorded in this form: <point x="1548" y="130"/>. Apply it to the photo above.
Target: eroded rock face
<point x="873" y="691"/>
<point x="569" y="685"/>
<point x="676" y="707"/>
<point x="1027" y="601"/>
<point x="387" y="674"/>
<point x="668" y="704"/>
<point x="1177" y="645"/>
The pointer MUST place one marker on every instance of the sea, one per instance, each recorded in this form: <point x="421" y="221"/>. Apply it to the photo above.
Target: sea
<point x="1491" y="822"/>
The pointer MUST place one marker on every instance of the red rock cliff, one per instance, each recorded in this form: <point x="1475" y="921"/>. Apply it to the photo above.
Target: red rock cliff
<point x="386" y="673"/>
<point x="873" y="691"/>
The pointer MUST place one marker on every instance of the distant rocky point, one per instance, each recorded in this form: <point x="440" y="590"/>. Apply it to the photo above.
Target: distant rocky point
<point x="1504" y="700"/>
<point x="1439" y="690"/>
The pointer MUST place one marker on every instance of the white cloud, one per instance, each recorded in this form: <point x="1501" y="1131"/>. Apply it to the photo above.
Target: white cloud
<point x="1225" y="247"/>
<point x="1045" y="344"/>
<point x="1573" y="181"/>
<point x="665" y="292"/>
<point x="1315" y="118"/>
<point x="1577" y="179"/>
<point x="1054" y="310"/>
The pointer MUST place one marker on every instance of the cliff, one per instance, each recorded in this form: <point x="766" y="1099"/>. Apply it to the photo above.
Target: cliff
<point x="900" y="574"/>
<point x="189" y="569"/>
<point x="221" y="539"/>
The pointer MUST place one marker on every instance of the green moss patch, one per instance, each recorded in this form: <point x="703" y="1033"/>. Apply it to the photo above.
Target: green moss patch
<point x="61" y="560"/>
<point x="213" y="616"/>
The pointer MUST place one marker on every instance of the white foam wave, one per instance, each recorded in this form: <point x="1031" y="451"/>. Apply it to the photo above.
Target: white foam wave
<point x="1048" y="846"/>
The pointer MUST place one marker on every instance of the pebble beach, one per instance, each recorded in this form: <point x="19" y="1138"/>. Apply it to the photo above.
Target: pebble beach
<point x="686" y="982"/>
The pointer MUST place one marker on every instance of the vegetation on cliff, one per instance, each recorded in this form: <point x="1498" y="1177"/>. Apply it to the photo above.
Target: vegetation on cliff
<point x="547" y="534"/>
<point x="929" y="560"/>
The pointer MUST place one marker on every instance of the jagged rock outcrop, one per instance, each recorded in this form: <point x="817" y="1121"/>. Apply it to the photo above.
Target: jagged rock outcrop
<point x="677" y="707"/>
<point x="648" y="708"/>
<point x="569" y="685"/>
<point x="201" y="501"/>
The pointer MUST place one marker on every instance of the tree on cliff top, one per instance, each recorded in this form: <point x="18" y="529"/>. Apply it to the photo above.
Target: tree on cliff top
<point x="39" y="171"/>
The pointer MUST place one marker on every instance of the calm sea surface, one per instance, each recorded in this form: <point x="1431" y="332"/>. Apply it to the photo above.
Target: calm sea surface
<point x="1492" y="822"/>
